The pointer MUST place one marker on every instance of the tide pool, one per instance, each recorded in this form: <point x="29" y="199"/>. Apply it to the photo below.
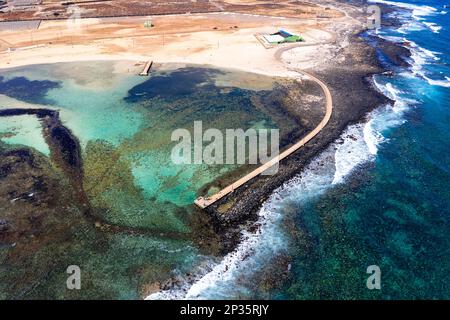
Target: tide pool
<point x="23" y="130"/>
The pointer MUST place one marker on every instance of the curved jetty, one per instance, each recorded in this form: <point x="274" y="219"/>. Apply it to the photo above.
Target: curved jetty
<point x="205" y="202"/>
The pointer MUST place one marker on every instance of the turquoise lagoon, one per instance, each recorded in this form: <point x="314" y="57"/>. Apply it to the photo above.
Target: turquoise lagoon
<point x="124" y="124"/>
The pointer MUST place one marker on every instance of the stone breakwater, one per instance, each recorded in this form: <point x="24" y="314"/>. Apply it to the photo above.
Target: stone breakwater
<point x="64" y="147"/>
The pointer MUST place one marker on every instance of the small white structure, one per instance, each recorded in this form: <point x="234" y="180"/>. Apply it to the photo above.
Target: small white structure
<point x="148" y="24"/>
<point x="23" y="5"/>
<point x="273" y="38"/>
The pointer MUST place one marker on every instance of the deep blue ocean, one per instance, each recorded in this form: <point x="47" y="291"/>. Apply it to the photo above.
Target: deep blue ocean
<point x="393" y="210"/>
<point x="381" y="199"/>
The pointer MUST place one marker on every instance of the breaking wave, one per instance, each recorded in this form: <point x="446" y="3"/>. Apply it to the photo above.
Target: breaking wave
<point x="441" y="83"/>
<point x="231" y="277"/>
<point x="416" y="12"/>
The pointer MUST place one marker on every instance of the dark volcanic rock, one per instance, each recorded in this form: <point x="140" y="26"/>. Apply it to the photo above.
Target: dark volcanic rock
<point x="39" y="218"/>
<point x="4" y="225"/>
<point x="396" y="53"/>
<point x="64" y="147"/>
<point x="353" y="97"/>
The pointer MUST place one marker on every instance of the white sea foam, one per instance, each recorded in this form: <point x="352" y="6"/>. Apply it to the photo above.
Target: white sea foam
<point x="417" y="13"/>
<point x="230" y="277"/>
<point x="372" y="138"/>
<point x="433" y="26"/>
<point x="354" y="150"/>
<point x="358" y="144"/>
<point x="441" y="83"/>
<point x="420" y="57"/>
<point x="393" y="38"/>
<point x="361" y="141"/>
<point x="401" y="103"/>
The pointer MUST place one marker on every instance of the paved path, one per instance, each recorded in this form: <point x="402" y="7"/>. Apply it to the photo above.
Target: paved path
<point x="205" y="202"/>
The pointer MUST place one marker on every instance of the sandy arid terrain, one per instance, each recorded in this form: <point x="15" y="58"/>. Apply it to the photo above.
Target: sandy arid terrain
<point x="51" y="9"/>
<point x="218" y="39"/>
<point x="224" y="39"/>
<point x="174" y="38"/>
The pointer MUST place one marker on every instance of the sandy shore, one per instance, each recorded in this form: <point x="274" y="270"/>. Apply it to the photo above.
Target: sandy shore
<point x="197" y="43"/>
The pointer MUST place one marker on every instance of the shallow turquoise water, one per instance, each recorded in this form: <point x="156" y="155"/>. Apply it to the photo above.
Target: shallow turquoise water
<point x="134" y="117"/>
<point x="124" y="123"/>
<point x="23" y="130"/>
<point x="93" y="109"/>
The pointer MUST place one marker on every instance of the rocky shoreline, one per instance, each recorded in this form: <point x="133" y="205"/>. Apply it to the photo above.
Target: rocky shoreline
<point x="348" y="77"/>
